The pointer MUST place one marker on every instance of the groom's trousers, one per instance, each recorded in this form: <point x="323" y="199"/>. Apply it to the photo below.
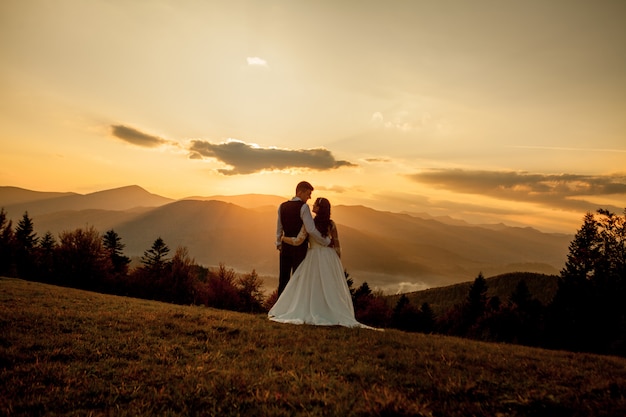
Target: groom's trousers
<point x="290" y="258"/>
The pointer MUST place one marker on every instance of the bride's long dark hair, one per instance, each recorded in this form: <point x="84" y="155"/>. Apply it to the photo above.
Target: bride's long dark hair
<point x="322" y="218"/>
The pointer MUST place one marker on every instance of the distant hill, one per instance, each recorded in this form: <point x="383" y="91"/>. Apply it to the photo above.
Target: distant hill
<point x="391" y="251"/>
<point x="17" y="201"/>
<point x="213" y="231"/>
<point x="10" y="196"/>
<point x="542" y="287"/>
<point x="433" y="250"/>
<point x="246" y="200"/>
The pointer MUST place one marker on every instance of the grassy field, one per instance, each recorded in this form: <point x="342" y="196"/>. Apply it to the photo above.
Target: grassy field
<point x="68" y="352"/>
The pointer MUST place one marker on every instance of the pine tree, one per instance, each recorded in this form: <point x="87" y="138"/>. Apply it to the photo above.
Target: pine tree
<point x="584" y="252"/>
<point x="403" y="301"/>
<point x="473" y="309"/>
<point x="47" y="247"/>
<point x="48" y="243"/>
<point x="610" y="282"/>
<point x="477" y="297"/>
<point x="525" y="316"/>
<point x="401" y="316"/>
<point x="363" y="291"/>
<point x="361" y="297"/>
<point x="350" y="283"/>
<point x="588" y="312"/>
<point x="114" y="248"/>
<point x="25" y="242"/>
<point x="25" y="235"/>
<point x="612" y="234"/>
<point x="6" y="243"/>
<point x="521" y="296"/>
<point x="155" y="259"/>
<point x="427" y="318"/>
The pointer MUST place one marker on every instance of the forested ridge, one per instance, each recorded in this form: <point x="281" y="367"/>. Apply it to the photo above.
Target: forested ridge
<point x="580" y="310"/>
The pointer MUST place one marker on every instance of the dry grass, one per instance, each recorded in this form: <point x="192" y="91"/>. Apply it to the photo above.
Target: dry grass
<point x="69" y="352"/>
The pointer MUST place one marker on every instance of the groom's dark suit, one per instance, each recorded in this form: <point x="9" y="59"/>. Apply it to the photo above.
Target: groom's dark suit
<point x="290" y="256"/>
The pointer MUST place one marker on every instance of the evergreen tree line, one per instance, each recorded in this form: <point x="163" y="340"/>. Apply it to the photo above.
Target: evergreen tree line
<point x="587" y="313"/>
<point x="85" y="259"/>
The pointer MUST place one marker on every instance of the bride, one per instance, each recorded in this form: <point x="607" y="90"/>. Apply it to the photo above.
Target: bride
<point x="317" y="293"/>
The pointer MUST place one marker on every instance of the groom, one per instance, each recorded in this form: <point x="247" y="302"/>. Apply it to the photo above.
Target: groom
<point x="292" y="215"/>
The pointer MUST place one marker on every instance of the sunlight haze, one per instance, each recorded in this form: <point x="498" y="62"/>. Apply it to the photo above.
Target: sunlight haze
<point x="486" y="111"/>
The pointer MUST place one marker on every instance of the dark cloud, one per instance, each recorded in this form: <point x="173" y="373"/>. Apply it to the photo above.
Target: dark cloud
<point x="566" y="191"/>
<point x="136" y="137"/>
<point x="248" y="159"/>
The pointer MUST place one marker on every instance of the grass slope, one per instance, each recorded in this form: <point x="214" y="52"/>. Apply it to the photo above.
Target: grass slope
<point x="70" y="352"/>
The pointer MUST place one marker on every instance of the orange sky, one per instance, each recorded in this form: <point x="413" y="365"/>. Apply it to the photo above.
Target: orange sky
<point x="485" y="110"/>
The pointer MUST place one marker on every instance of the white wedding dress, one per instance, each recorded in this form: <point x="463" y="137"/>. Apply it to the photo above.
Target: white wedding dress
<point x="317" y="292"/>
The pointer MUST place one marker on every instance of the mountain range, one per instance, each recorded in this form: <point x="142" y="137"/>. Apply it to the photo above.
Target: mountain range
<point x="393" y="252"/>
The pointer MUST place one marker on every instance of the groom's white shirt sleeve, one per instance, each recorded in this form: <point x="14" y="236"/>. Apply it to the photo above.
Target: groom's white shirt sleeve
<point x="279" y="230"/>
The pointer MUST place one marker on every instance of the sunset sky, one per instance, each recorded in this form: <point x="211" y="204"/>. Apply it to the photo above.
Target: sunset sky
<point x="488" y="111"/>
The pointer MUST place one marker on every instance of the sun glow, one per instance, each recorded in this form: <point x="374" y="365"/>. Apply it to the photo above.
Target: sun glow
<point x="85" y="113"/>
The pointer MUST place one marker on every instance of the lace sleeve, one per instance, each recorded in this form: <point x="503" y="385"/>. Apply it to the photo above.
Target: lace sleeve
<point x="335" y="237"/>
<point x="295" y="241"/>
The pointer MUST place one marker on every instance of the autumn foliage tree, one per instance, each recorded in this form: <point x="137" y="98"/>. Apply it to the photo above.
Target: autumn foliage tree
<point x="177" y="283"/>
<point x="251" y="296"/>
<point x="81" y="261"/>
<point x="370" y="307"/>
<point x="221" y="289"/>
